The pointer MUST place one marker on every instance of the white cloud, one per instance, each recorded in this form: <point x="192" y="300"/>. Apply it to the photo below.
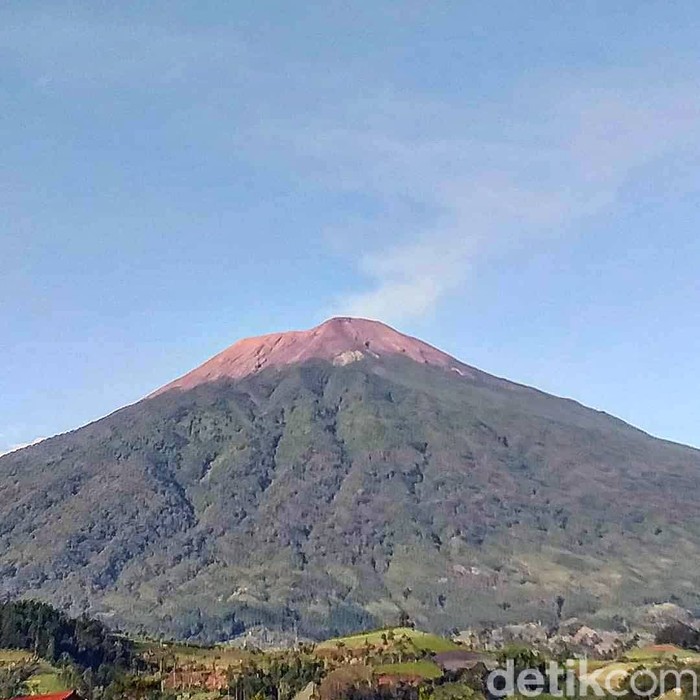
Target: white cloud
<point x="450" y="182"/>
<point x="522" y="173"/>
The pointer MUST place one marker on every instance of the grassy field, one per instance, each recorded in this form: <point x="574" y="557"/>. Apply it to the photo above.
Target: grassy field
<point x="13" y="656"/>
<point x="662" y="652"/>
<point x="651" y="656"/>
<point x="612" y="673"/>
<point x="421" y="640"/>
<point x="44" y="680"/>
<point x="424" y="669"/>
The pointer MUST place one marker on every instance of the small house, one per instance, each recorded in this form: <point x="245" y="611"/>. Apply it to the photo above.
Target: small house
<point x="65" y="695"/>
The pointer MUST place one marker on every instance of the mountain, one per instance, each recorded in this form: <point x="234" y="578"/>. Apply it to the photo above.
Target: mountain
<point x="331" y="479"/>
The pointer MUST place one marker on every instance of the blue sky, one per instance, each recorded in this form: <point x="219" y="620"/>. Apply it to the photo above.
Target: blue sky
<point x="515" y="182"/>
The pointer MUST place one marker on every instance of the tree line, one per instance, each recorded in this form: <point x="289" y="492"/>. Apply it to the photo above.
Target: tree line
<point x="81" y="646"/>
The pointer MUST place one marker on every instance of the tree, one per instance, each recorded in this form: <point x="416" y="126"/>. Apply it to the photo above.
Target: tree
<point x="405" y="619"/>
<point x="679" y="634"/>
<point x="13" y="680"/>
<point x="560" y="605"/>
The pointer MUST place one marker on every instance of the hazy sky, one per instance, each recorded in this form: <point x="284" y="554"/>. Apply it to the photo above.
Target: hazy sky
<point x="515" y="182"/>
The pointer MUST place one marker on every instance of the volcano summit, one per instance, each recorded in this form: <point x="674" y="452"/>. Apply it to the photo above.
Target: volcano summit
<point x="338" y="340"/>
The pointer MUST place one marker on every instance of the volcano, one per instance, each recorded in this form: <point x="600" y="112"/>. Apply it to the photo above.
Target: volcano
<point x="342" y="477"/>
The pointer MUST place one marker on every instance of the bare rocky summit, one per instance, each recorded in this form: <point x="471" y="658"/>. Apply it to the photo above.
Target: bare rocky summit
<point x="338" y="340"/>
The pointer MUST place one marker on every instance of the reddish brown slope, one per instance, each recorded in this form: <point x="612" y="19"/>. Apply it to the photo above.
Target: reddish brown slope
<point x="338" y="340"/>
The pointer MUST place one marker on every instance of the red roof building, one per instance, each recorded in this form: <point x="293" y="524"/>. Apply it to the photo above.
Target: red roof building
<point x="65" y="695"/>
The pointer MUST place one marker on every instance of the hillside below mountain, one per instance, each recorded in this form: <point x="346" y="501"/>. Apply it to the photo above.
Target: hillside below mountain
<point x="330" y="480"/>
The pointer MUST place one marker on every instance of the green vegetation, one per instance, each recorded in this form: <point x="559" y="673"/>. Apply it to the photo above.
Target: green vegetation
<point x="454" y="691"/>
<point x="390" y="636"/>
<point x="46" y="679"/>
<point x="10" y="657"/>
<point x="280" y="679"/>
<point x="49" y="634"/>
<point x="422" y="669"/>
<point x="22" y="672"/>
<point x="320" y="500"/>
<point x="43" y="651"/>
<point x="613" y="673"/>
<point x="180" y="653"/>
<point x="664" y="652"/>
<point x="356" y="667"/>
